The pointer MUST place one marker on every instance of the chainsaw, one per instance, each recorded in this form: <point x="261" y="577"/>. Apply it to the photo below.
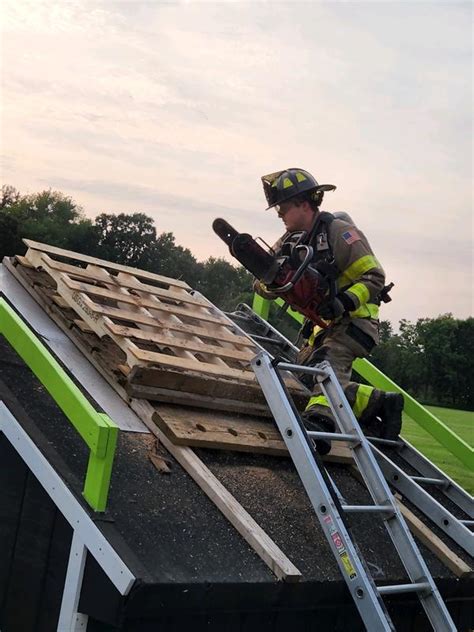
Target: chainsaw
<point x="289" y="275"/>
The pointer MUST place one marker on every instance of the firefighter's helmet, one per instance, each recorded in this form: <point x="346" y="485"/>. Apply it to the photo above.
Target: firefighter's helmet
<point x="281" y="186"/>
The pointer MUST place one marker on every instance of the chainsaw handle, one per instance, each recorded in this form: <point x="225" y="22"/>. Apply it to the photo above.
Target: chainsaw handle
<point x="304" y="264"/>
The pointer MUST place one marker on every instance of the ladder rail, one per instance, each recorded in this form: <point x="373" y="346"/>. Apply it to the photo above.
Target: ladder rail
<point x="423" y="500"/>
<point x="454" y="492"/>
<point x="287" y="420"/>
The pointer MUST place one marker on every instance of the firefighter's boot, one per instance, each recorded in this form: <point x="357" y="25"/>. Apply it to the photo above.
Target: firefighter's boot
<point x="391" y="415"/>
<point x="316" y="422"/>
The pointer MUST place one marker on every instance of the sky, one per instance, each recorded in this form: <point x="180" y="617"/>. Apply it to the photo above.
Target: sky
<point x="176" y="109"/>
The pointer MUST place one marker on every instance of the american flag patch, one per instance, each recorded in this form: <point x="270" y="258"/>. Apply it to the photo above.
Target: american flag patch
<point x="350" y="236"/>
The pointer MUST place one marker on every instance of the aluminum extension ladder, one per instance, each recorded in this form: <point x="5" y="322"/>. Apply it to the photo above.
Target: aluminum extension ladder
<point x="419" y="488"/>
<point x="326" y="502"/>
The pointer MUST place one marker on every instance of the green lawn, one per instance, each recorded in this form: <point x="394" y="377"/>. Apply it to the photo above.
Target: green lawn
<point x="460" y="422"/>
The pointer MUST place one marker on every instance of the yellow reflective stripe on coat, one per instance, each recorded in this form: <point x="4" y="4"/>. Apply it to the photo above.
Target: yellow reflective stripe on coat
<point x="356" y="269"/>
<point x="361" y="291"/>
<point x="369" y="310"/>
<point x="362" y="399"/>
<point x="317" y="400"/>
<point x="314" y="333"/>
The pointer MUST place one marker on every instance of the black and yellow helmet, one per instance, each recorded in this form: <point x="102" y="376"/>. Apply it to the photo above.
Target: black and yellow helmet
<point x="284" y="185"/>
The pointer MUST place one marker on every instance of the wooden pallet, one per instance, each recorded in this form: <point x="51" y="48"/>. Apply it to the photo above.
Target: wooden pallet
<point x="167" y="343"/>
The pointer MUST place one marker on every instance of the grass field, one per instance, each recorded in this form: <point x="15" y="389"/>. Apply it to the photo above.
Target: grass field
<point x="460" y="422"/>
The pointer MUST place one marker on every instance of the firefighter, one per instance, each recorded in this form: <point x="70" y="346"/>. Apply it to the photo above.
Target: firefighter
<point x="343" y="254"/>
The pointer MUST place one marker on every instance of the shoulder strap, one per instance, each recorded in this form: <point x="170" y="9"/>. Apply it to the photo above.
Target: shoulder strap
<point x="320" y="225"/>
<point x="326" y="218"/>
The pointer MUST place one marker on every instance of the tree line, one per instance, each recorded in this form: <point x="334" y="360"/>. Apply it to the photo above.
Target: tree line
<point x="432" y="359"/>
<point x="127" y="238"/>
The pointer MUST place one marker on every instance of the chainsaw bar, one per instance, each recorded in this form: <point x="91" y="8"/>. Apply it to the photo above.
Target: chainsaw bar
<point x="247" y="251"/>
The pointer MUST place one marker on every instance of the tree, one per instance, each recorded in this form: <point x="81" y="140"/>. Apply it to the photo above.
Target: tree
<point x="223" y="284"/>
<point x="165" y="257"/>
<point x="385" y="331"/>
<point x="432" y="359"/>
<point x="49" y="216"/>
<point x="125" y="238"/>
<point x="10" y="196"/>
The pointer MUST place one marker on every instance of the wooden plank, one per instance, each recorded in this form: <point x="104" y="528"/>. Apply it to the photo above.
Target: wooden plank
<point x="179" y="343"/>
<point x="83" y="326"/>
<point x="433" y="542"/>
<point x="41" y="259"/>
<point x="192" y="365"/>
<point x="185" y="398"/>
<point x="221" y="431"/>
<point x="60" y="302"/>
<point x="158" y="377"/>
<point x="76" y="256"/>
<point x="262" y="544"/>
<point x="23" y="261"/>
<point x="217" y="430"/>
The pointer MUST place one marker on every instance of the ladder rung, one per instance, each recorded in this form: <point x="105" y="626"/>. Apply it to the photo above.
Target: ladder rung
<point x="368" y="508"/>
<point x="403" y="588"/>
<point x="311" y="370"/>
<point x="428" y="481"/>
<point x="468" y="523"/>
<point x="278" y="343"/>
<point x="392" y="442"/>
<point x="335" y="436"/>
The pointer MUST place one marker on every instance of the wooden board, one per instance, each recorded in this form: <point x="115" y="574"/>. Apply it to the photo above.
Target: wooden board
<point x="154" y="324"/>
<point x="216" y="430"/>
<point x="224" y="431"/>
<point x="208" y="402"/>
<point x="92" y="291"/>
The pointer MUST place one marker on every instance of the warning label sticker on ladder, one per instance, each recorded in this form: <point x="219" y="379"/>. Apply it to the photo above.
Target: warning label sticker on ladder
<point x="341" y="549"/>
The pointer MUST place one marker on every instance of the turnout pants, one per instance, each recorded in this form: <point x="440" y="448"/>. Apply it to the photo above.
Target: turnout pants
<point x="339" y="345"/>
